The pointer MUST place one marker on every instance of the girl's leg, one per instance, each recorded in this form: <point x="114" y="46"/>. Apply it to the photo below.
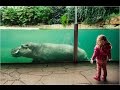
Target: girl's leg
<point x="98" y="70"/>
<point x="98" y="73"/>
<point x="104" y="71"/>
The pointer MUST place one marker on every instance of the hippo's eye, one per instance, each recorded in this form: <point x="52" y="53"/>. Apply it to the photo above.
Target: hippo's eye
<point x="27" y="45"/>
<point x="24" y="46"/>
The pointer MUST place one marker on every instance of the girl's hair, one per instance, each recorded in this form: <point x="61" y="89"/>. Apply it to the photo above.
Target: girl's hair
<point x="100" y="38"/>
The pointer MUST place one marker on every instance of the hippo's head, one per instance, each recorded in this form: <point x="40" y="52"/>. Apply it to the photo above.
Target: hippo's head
<point x="23" y="50"/>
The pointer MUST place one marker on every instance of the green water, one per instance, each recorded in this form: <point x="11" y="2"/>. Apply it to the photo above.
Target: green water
<point x="86" y="40"/>
<point x="14" y="38"/>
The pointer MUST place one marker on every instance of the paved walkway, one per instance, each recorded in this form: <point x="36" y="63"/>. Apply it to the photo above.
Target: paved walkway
<point x="56" y="74"/>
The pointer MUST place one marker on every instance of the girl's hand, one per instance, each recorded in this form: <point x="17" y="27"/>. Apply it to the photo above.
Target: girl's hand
<point x="91" y="61"/>
<point x="109" y="59"/>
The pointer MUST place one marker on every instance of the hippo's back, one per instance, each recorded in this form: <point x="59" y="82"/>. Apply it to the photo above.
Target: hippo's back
<point x="56" y="52"/>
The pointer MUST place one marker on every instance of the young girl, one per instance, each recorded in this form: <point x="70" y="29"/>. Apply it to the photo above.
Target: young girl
<point x="102" y="53"/>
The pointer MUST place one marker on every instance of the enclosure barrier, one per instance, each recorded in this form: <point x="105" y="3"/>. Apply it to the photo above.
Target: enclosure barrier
<point x="12" y="38"/>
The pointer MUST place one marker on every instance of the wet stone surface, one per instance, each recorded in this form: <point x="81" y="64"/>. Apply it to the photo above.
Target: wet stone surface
<point x="55" y="74"/>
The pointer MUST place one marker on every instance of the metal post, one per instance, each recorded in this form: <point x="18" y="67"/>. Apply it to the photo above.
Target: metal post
<point x="75" y="36"/>
<point x="75" y="14"/>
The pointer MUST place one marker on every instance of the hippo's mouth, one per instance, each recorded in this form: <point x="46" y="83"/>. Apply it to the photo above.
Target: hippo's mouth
<point x="15" y="53"/>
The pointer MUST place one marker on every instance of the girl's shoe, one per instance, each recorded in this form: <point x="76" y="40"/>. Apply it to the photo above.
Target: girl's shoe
<point x="104" y="79"/>
<point x="96" y="78"/>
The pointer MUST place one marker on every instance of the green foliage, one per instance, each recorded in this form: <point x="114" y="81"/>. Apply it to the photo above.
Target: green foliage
<point x="33" y="15"/>
<point x="94" y="14"/>
<point x="112" y="15"/>
<point x="110" y="10"/>
<point x="28" y="15"/>
<point x="9" y="16"/>
<point x="64" y="20"/>
<point x="25" y="15"/>
<point x="71" y="14"/>
<point x="43" y="14"/>
<point x="91" y="15"/>
<point x="87" y="15"/>
<point x="58" y="11"/>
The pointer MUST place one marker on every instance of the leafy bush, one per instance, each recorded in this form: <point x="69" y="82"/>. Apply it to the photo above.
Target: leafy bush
<point x="110" y="10"/>
<point x="94" y="14"/>
<point x="28" y="15"/>
<point x="33" y="15"/>
<point x="112" y="15"/>
<point x="87" y="15"/>
<point x="43" y="14"/>
<point x="113" y="19"/>
<point x="9" y="16"/>
<point x="58" y="11"/>
<point x="64" y="19"/>
<point x="91" y="15"/>
<point x="71" y="14"/>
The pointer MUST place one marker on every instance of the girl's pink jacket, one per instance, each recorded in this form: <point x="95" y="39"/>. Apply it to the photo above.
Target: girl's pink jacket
<point x="102" y="54"/>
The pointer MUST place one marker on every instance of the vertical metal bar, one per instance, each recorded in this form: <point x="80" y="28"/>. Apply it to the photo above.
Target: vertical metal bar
<point x="75" y="14"/>
<point x="75" y="36"/>
<point x="75" y="42"/>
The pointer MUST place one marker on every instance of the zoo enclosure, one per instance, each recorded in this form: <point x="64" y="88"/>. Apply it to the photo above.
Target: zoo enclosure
<point x="86" y="40"/>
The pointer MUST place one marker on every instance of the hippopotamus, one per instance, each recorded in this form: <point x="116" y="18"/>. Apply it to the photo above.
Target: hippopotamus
<point x="47" y="52"/>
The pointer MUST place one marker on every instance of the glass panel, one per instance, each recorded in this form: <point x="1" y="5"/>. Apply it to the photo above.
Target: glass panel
<point x="11" y="39"/>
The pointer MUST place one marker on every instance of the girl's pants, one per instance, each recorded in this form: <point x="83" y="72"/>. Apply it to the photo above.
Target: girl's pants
<point x="101" y="65"/>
